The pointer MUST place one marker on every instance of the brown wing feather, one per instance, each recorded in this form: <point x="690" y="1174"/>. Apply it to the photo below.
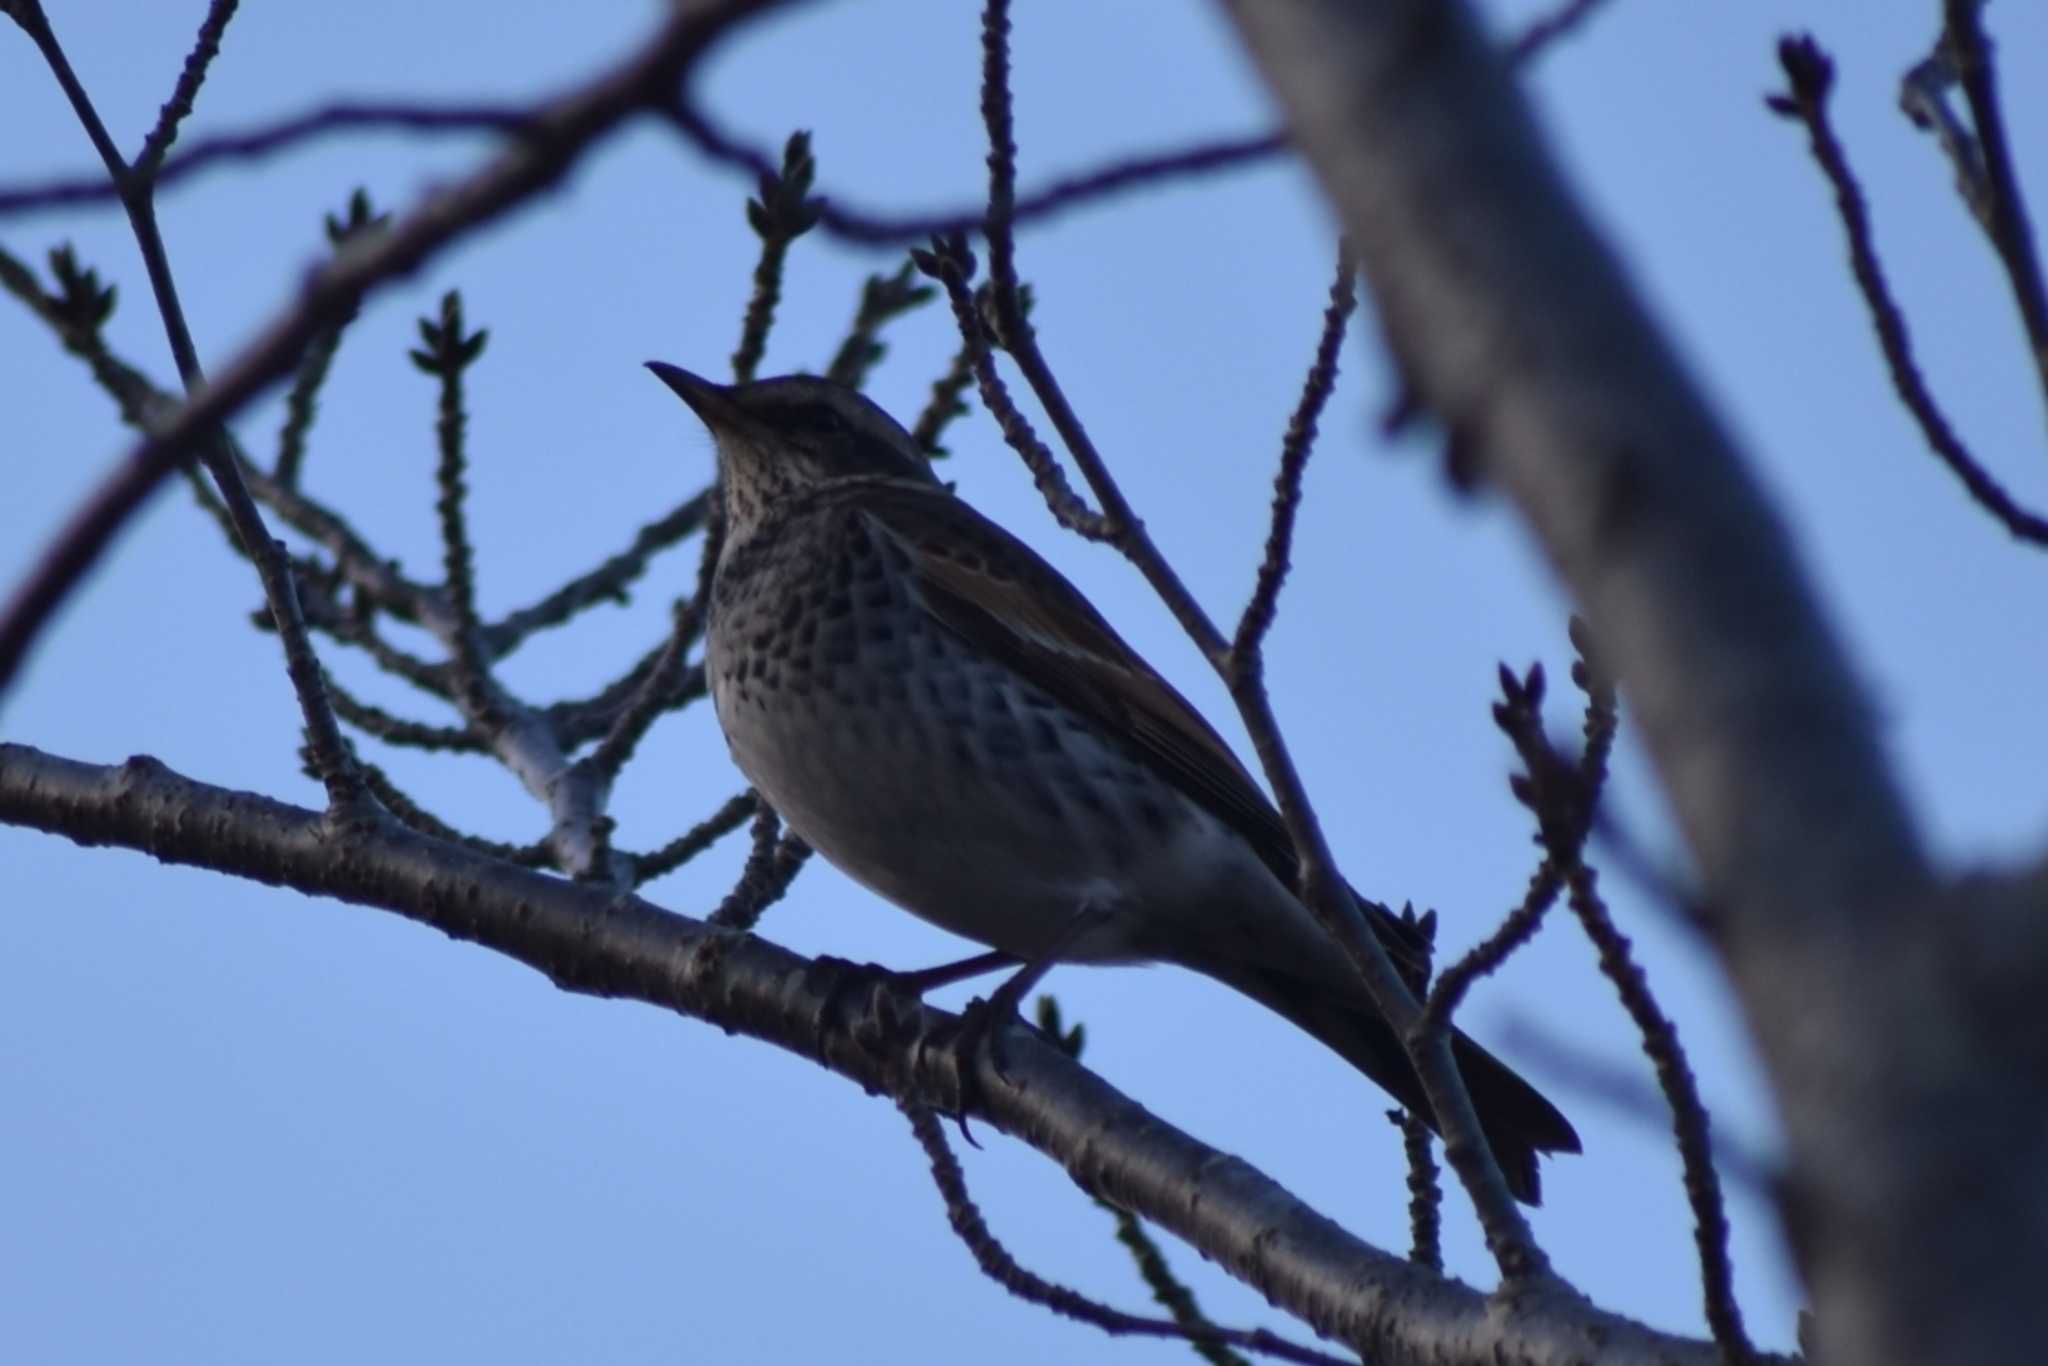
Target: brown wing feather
<point x="1009" y="603"/>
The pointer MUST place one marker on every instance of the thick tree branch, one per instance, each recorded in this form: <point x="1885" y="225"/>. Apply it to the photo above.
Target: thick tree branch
<point x="590" y="940"/>
<point x="1909" y="1094"/>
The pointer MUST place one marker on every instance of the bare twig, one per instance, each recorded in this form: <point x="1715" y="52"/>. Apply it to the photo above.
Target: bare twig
<point x="882" y="298"/>
<point x="1486" y="956"/>
<point x="204" y="50"/>
<point x="999" y="1266"/>
<point x="783" y="212"/>
<point x="950" y="263"/>
<point x="1983" y="162"/>
<point x="1246" y="647"/>
<point x="1811" y="75"/>
<point x="946" y="401"/>
<point x="1548" y="28"/>
<point x="694" y="841"/>
<point x="300" y="404"/>
<point x="1689" y="1121"/>
<point x="606" y="582"/>
<point x="836" y="216"/>
<point x="347" y="116"/>
<point x="1168" y="1290"/>
<point x="665" y="681"/>
<point x="776" y="858"/>
<point x="1558" y="794"/>
<point x="1425" y="1191"/>
<point x="447" y="354"/>
<point x="416" y="817"/>
<point x="398" y="730"/>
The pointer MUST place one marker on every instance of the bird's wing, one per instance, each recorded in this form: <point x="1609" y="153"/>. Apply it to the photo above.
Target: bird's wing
<point x="996" y="594"/>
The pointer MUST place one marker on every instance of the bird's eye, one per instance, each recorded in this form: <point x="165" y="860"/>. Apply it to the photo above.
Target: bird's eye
<point x="821" y="418"/>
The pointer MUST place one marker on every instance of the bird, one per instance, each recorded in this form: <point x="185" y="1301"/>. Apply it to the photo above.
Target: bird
<point x="944" y="717"/>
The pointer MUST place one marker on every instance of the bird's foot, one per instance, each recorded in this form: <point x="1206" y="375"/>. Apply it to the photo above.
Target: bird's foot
<point x="864" y="1001"/>
<point x="984" y="1032"/>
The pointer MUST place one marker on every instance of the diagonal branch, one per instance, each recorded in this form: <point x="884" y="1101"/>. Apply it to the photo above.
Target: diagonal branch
<point x="591" y="940"/>
<point x="330" y="759"/>
<point x="1811" y="77"/>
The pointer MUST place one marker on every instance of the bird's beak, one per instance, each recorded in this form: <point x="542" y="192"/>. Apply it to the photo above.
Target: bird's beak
<point x="711" y="402"/>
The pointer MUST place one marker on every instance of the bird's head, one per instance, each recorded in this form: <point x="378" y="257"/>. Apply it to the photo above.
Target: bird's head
<point x="780" y="437"/>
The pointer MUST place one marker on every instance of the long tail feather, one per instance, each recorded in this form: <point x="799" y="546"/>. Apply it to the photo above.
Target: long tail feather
<point x="1518" y="1122"/>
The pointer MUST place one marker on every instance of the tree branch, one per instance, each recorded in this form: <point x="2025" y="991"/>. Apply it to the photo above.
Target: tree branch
<point x="1886" y="1012"/>
<point x="590" y="940"/>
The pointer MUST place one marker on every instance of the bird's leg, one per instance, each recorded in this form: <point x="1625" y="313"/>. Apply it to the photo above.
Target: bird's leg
<point x="983" y="1022"/>
<point x="945" y="974"/>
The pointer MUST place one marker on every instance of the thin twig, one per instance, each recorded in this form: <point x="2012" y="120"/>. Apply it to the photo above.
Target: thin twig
<point x="76" y="317"/>
<point x="694" y="841"/>
<point x="882" y="298"/>
<point x="783" y="212"/>
<point x="607" y="582"/>
<point x="301" y="404"/>
<point x="447" y="355"/>
<point x="580" y="720"/>
<point x="1076" y="190"/>
<point x="346" y="116"/>
<point x="946" y="402"/>
<point x="1485" y="957"/>
<point x="1556" y="793"/>
<point x="950" y="263"/>
<point x="773" y="863"/>
<point x="417" y="818"/>
<point x="1168" y="1290"/>
<point x="401" y="731"/>
<point x="1548" y="28"/>
<point x="999" y="1266"/>
<point x="666" y="681"/>
<point x="301" y="400"/>
<point x="1811" y="74"/>
<point x="179" y="106"/>
<point x="1246" y="646"/>
<point x="1689" y="1120"/>
<point x="1425" y="1190"/>
<point x="1016" y="336"/>
<point x="868" y="228"/>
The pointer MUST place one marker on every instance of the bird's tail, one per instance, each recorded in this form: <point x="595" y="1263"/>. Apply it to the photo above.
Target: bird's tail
<point x="1518" y="1122"/>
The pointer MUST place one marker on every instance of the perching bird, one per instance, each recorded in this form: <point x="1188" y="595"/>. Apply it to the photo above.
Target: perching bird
<point x="938" y="712"/>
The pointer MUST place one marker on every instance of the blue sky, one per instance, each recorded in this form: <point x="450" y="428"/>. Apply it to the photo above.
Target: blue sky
<point x="242" y="1124"/>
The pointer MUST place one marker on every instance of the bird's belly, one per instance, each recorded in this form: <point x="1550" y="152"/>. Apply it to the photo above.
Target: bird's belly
<point x="935" y="779"/>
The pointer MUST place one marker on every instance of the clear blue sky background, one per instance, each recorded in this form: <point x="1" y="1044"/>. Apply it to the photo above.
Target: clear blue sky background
<point x="243" y="1126"/>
